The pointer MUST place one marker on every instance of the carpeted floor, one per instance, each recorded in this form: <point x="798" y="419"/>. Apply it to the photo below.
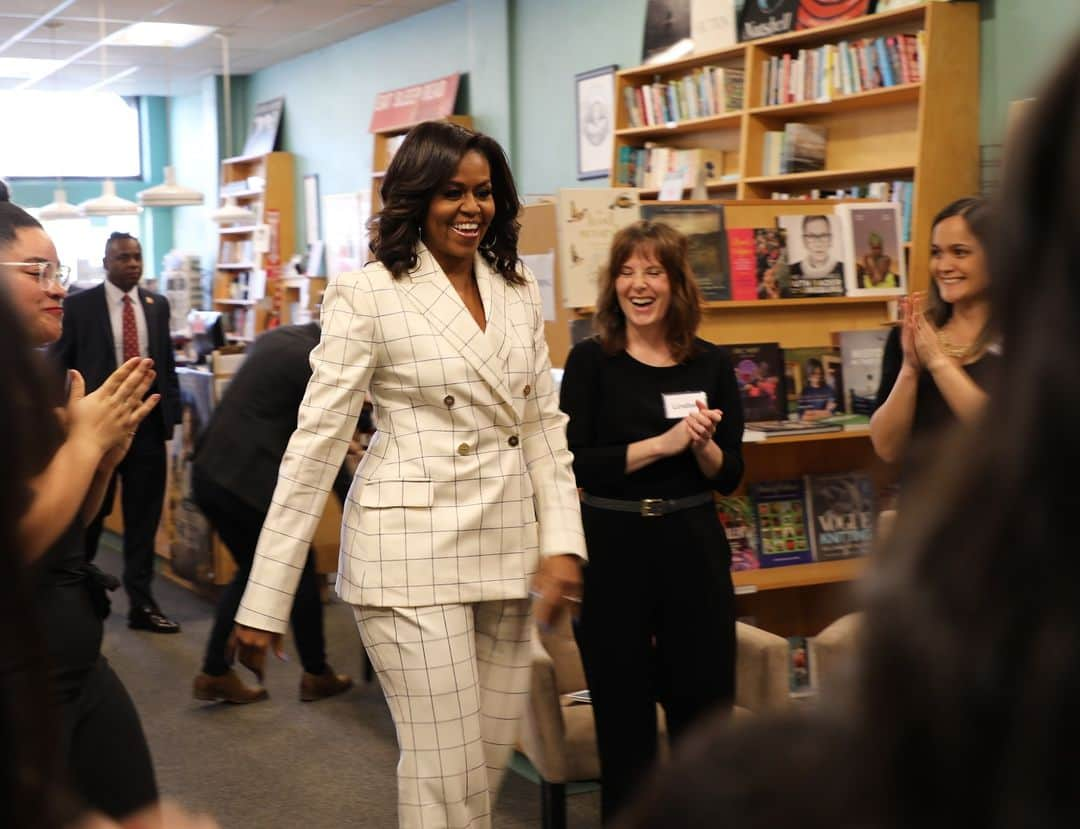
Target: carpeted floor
<point x="278" y="764"/>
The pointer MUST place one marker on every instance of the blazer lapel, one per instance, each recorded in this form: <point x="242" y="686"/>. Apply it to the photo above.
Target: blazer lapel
<point x="151" y="323"/>
<point x="104" y="323"/>
<point x="430" y="292"/>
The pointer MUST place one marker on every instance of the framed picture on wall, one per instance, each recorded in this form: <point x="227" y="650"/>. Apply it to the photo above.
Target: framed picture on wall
<point x="262" y="136"/>
<point x="595" y="97"/>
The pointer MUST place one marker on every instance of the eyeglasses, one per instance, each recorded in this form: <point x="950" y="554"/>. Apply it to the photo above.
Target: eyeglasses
<point x="44" y="272"/>
<point x="817" y="237"/>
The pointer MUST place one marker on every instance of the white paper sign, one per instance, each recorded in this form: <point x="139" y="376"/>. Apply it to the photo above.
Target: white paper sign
<point x="543" y="267"/>
<point x="672" y="188"/>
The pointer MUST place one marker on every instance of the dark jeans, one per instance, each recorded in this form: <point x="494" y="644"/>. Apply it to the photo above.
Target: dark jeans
<point x="239" y="524"/>
<point x="657" y="624"/>
<point x="143" y="474"/>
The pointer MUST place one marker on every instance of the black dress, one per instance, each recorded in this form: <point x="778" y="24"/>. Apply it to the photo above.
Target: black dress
<point x="658" y="619"/>
<point x="933" y="417"/>
<point x="104" y="749"/>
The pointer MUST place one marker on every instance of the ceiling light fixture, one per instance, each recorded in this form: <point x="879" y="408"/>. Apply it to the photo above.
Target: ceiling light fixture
<point x="108" y="203"/>
<point x="231" y="212"/>
<point x="169" y="193"/>
<point x="166" y="35"/>
<point x="26" y="68"/>
<point x="131" y="70"/>
<point x="59" y="208"/>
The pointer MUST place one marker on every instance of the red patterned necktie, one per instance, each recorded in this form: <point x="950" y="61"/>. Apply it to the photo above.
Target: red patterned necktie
<point x="131" y="333"/>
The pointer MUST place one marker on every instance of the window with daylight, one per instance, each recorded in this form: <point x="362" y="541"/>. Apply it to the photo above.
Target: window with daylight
<point x="70" y="135"/>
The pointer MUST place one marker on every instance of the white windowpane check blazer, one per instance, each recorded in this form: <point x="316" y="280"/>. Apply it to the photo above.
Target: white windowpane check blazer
<point x="467" y="480"/>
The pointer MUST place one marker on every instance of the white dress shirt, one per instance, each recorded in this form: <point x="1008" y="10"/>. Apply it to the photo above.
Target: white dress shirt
<point x="115" y="297"/>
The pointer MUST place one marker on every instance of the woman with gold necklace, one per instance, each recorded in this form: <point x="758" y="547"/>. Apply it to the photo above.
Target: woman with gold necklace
<point x="938" y="362"/>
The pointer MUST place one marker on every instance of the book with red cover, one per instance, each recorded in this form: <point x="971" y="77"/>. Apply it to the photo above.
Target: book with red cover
<point x="743" y="260"/>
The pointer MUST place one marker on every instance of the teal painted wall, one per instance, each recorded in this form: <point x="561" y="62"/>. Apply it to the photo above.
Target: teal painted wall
<point x="1020" y="42"/>
<point x="193" y="135"/>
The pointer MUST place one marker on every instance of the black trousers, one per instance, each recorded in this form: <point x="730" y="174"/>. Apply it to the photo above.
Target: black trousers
<point x="657" y="624"/>
<point x="239" y="524"/>
<point x="143" y="474"/>
<point x="107" y="758"/>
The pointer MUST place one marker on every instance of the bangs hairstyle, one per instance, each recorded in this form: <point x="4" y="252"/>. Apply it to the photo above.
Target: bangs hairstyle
<point x="977" y="213"/>
<point x="668" y="247"/>
<point x="427" y="159"/>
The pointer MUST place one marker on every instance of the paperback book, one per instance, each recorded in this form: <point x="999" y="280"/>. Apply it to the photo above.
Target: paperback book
<point x="815" y="254"/>
<point x="736" y="513"/>
<point x="742" y="262"/>
<point x="771" y="256"/>
<point x="860" y="357"/>
<point x="813" y="380"/>
<point x="759" y="19"/>
<point x="873" y="253"/>
<point x="803" y="148"/>
<point x="842" y="514"/>
<point x="783" y="532"/>
<point x="703" y="226"/>
<point x="759" y="371"/>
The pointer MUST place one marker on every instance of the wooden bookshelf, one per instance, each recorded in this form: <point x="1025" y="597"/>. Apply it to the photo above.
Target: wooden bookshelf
<point x="925" y="132"/>
<point x="251" y="254"/>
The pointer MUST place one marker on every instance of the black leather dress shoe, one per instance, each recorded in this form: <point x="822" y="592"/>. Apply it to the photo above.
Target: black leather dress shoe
<point x="151" y="619"/>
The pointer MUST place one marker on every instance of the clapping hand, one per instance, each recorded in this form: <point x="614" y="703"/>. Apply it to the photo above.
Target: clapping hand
<point x="701" y="425"/>
<point x="108" y="417"/>
<point x="925" y="335"/>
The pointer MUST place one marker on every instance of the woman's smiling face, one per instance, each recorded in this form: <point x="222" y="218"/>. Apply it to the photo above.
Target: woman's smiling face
<point x="643" y="290"/>
<point x="460" y="212"/>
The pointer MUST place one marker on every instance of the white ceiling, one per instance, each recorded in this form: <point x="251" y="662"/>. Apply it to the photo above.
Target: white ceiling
<point x="260" y="32"/>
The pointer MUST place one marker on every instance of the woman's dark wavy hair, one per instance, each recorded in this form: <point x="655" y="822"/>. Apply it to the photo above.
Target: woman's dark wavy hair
<point x="425" y="162"/>
<point x="670" y="249"/>
<point x="970" y="656"/>
<point x="12" y="217"/>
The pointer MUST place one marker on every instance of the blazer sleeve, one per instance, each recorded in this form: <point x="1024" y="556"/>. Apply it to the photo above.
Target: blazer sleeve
<point x="547" y="458"/>
<point x="341" y="370"/>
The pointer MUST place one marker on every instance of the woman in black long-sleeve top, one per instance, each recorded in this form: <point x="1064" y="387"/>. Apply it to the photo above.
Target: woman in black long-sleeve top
<point x="655" y="427"/>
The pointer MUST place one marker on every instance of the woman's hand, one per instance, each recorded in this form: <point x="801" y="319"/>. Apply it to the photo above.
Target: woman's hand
<point x="927" y="342"/>
<point x="108" y="417"/>
<point x="701" y="425"/>
<point x="675" y="440"/>
<point x="907" y="332"/>
<point x="556" y="588"/>
<point x="249" y="645"/>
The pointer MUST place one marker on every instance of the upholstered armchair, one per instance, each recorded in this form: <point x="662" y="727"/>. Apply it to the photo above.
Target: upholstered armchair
<point x="558" y="737"/>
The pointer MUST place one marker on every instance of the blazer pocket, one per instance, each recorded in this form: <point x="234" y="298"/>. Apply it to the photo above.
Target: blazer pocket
<point x="397" y="493"/>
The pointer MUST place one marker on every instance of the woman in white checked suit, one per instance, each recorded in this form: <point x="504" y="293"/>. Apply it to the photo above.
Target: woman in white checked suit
<point x="465" y="499"/>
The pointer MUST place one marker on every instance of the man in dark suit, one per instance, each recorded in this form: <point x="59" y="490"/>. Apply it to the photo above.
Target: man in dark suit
<point x="103" y="327"/>
<point x="235" y="470"/>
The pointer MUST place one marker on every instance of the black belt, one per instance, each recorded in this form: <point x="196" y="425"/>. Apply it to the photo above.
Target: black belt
<point x="648" y="507"/>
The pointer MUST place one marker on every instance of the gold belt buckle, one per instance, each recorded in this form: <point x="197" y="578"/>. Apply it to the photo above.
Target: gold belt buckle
<point x="651" y="507"/>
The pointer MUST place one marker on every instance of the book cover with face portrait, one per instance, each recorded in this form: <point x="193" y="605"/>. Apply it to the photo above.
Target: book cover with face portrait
<point x="815" y="254"/>
<point x="873" y="252"/>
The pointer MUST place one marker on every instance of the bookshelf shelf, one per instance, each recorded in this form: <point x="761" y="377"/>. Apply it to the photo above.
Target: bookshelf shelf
<point x="832" y="176"/>
<point x="235" y="266"/>
<point x="870" y="24"/>
<point x="901" y="94"/>
<point x="237" y="302"/>
<point x="729" y="120"/>
<point x="238" y="230"/>
<point x="798" y="575"/>
<point x="639" y="74"/>
<point x="776" y="440"/>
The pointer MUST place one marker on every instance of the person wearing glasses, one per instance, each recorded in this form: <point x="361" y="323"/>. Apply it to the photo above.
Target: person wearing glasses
<point x="77" y="445"/>
<point x="819" y="267"/>
<point x="104" y="326"/>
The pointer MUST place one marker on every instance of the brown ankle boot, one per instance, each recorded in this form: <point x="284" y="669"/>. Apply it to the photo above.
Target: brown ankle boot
<point x="225" y="688"/>
<point x="321" y="686"/>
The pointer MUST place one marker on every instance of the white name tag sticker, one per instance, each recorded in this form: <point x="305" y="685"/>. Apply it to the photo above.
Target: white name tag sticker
<point x="678" y="406"/>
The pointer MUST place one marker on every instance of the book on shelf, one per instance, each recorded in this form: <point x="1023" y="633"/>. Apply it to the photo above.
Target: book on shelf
<point x="814" y="13"/>
<point x="815" y="253"/>
<point x="842" y="514"/>
<point x="703" y="227"/>
<point x="860" y="357"/>
<point x="782" y="528"/>
<point x="799" y="674"/>
<point x="742" y="263"/>
<point x="703" y="92"/>
<point x="813" y="382"/>
<point x="874" y="263"/>
<point x="757" y="20"/>
<point x="771" y="257"/>
<point x="667" y="31"/>
<point x="713" y="24"/>
<point x="803" y="148"/>
<point x="648" y="166"/>
<point x="784" y="426"/>
<point x="587" y="219"/>
<point x="759" y="374"/>
<point x="736" y="513"/>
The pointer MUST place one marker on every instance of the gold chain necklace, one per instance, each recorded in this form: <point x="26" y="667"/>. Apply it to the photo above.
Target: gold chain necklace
<point x="950" y="349"/>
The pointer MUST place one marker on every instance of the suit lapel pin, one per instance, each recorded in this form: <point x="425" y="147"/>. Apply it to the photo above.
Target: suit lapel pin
<point x="148" y="300"/>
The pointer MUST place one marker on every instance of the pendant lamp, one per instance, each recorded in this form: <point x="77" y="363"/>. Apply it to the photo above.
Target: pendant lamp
<point x="108" y="203"/>
<point x="59" y="208"/>
<point x="169" y="193"/>
<point x="231" y="212"/>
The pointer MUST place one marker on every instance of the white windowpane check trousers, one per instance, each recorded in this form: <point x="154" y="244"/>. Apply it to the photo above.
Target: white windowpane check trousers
<point x="456" y="679"/>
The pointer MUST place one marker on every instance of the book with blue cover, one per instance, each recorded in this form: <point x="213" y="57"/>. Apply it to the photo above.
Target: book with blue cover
<point x="783" y="531"/>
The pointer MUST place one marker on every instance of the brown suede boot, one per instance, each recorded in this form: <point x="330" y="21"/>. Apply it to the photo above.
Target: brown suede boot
<point x="225" y="688"/>
<point x="321" y="686"/>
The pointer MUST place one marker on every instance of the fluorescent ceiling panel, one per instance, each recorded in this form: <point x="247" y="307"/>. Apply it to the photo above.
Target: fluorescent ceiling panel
<point x="175" y="35"/>
<point x="26" y="67"/>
